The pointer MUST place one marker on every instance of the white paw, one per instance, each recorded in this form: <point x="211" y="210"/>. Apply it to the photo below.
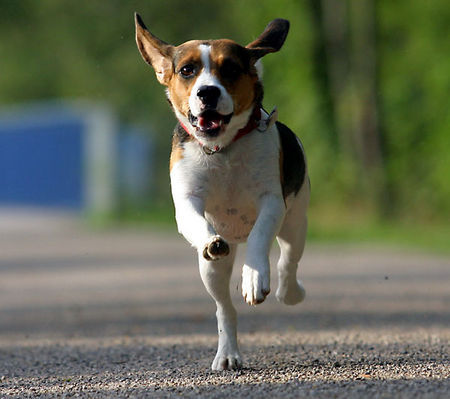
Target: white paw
<point x="227" y="360"/>
<point x="255" y="285"/>
<point x="290" y="292"/>
<point x="216" y="248"/>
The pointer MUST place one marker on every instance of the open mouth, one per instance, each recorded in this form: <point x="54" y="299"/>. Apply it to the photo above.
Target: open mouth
<point x="209" y="122"/>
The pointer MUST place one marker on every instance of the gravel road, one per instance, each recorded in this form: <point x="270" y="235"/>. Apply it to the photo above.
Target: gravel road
<point x="124" y="314"/>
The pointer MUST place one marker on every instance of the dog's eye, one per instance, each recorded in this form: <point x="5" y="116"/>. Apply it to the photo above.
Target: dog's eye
<point x="187" y="70"/>
<point x="230" y="70"/>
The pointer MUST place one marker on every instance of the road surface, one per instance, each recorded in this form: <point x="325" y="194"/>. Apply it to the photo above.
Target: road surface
<point x="123" y="313"/>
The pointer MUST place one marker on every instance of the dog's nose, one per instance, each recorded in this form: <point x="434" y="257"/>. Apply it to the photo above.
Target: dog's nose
<point x="209" y="95"/>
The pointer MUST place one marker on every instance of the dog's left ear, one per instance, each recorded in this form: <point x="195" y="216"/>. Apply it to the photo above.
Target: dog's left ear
<point x="271" y="40"/>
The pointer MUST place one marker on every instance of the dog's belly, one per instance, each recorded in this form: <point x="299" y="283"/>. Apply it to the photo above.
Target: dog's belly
<point x="232" y="220"/>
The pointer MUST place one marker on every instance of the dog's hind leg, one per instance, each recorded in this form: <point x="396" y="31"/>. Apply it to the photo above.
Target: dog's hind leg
<point x="216" y="278"/>
<point x="291" y="240"/>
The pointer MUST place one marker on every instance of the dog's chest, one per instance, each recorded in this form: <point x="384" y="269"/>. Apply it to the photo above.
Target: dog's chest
<point x="232" y="181"/>
<point x="231" y="203"/>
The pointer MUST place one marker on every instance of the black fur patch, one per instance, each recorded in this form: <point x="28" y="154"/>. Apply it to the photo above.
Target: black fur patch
<point x="259" y="93"/>
<point x="180" y="135"/>
<point x="293" y="161"/>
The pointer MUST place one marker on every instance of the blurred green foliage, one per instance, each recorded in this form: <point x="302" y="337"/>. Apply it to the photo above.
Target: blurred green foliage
<point x="394" y="89"/>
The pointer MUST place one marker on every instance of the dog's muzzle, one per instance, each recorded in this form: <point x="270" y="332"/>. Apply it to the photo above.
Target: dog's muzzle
<point x="209" y="122"/>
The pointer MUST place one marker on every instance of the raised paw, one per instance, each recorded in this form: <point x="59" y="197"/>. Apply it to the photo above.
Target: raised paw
<point x="255" y="285"/>
<point x="290" y="292"/>
<point x="216" y="248"/>
<point x="227" y="361"/>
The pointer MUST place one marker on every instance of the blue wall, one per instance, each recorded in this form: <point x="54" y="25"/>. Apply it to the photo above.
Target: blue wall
<point x="72" y="155"/>
<point x="41" y="164"/>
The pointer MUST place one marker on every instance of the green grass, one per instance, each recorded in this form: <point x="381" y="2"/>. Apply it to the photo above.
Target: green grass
<point x="433" y="238"/>
<point x="325" y="226"/>
<point x="154" y="216"/>
<point x="359" y="227"/>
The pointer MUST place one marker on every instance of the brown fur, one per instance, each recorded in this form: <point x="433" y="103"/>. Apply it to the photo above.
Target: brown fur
<point x="179" y="137"/>
<point x="179" y="88"/>
<point x="175" y="156"/>
<point x="243" y="90"/>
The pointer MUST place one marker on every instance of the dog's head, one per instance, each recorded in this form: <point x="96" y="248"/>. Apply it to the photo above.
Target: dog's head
<point x="213" y="85"/>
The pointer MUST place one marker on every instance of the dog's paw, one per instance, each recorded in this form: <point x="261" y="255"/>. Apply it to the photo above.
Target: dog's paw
<point x="290" y="292"/>
<point x="255" y="285"/>
<point x="227" y="361"/>
<point x="216" y="248"/>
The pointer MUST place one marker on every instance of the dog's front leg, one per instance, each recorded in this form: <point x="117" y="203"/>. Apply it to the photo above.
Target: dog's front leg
<point x="256" y="271"/>
<point x="216" y="278"/>
<point x="189" y="214"/>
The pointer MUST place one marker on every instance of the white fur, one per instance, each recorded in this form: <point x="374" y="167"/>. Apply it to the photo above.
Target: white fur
<point x="231" y="185"/>
<point x="259" y="68"/>
<point x="236" y="194"/>
<point x="216" y="277"/>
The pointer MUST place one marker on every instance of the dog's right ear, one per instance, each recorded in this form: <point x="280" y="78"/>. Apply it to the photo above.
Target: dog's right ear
<point x="154" y="51"/>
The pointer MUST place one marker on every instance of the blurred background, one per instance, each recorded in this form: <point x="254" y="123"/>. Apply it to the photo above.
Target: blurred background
<point x="85" y="127"/>
<point x="95" y="284"/>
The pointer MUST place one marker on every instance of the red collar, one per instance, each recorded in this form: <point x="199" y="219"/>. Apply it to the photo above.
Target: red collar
<point x="252" y="124"/>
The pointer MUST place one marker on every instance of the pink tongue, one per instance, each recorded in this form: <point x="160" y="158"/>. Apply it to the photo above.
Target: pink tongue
<point x="206" y="123"/>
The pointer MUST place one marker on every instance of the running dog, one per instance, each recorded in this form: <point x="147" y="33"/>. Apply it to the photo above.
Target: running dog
<point x="237" y="175"/>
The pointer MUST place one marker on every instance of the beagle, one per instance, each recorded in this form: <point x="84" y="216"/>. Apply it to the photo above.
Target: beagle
<point x="237" y="174"/>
